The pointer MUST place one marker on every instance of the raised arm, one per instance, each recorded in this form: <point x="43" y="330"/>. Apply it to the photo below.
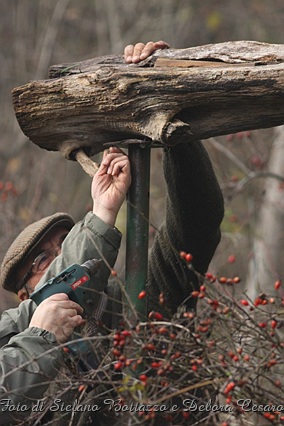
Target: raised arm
<point x="194" y="211"/>
<point x="95" y="236"/>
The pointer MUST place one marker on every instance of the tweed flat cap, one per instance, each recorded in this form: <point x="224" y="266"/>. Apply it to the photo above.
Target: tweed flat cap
<point x="26" y="241"/>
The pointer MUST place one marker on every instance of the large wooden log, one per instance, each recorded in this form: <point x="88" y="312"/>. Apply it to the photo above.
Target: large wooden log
<point x="173" y="96"/>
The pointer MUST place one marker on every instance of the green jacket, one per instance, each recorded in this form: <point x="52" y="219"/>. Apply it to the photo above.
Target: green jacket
<point x="26" y="371"/>
<point x="194" y="211"/>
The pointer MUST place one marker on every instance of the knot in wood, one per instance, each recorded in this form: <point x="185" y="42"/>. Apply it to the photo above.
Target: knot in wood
<point x="175" y="131"/>
<point x="104" y="72"/>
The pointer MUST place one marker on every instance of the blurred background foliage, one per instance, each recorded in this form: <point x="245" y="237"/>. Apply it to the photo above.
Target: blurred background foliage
<point x="34" y="183"/>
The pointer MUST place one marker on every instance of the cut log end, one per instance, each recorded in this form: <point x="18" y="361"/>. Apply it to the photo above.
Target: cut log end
<point x="175" y="132"/>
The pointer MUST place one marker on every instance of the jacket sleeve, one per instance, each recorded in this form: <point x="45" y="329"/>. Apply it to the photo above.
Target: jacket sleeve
<point x="91" y="238"/>
<point x="29" y="362"/>
<point x="194" y="211"/>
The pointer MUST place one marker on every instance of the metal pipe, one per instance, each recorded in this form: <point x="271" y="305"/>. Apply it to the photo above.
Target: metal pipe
<point x="137" y="232"/>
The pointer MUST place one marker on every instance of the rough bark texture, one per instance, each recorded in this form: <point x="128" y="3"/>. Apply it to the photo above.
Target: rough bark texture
<point x="174" y="95"/>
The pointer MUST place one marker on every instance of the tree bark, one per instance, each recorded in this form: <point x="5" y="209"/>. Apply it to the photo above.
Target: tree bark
<point x="173" y="96"/>
<point x="266" y="265"/>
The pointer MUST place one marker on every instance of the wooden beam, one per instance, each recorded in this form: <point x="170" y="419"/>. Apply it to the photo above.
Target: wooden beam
<point x="175" y="95"/>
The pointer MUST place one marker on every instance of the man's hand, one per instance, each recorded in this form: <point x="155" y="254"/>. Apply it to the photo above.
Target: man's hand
<point x="110" y="185"/>
<point x="141" y="51"/>
<point x="59" y="315"/>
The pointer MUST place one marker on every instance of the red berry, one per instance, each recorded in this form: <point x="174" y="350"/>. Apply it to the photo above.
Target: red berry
<point x="231" y="258"/>
<point x="116" y="352"/>
<point x="142" y="294"/>
<point x="156" y="364"/>
<point x="273" y="324"/>
<point x="240" y="135"/>
<point x="156" y="315"/>
<point x="162" y="330"/>
<point x="126" y="333"/>
<point x="202" y="328"/>
<point x="118" y="365"/>
<point x="230" y="386"/>
<point x="143" y="377"/>
<point x="81" y="388"/>
<point x="256" y="161"/>
<point x="188" y="257"/>
<point x="277" y="284"/>
<point x="258" y="301"/>
<point x="149" y="346"/>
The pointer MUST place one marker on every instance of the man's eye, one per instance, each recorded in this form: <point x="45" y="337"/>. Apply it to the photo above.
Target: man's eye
<point x="42" y="261"/>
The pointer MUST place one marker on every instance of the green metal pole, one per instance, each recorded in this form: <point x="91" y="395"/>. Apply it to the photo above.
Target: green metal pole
<point x="137" y="231"/>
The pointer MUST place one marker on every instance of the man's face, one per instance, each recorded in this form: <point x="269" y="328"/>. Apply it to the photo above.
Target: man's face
<point x="37" y="263"/>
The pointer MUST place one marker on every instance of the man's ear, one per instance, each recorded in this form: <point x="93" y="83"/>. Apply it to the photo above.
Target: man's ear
<point x="23" y="294"/>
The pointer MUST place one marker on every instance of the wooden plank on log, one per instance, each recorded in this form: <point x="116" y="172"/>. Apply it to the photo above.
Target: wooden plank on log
<point x="91" y="104"/>
<point x="186" y="63"/>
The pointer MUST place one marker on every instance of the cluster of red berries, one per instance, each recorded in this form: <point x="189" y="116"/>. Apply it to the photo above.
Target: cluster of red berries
<point x="154" y="353"/>
<point x="222" y="280"/>
<point x="239" y="135"/>
<point x="157" y="351"/>
<point x="6" y="189"/>
<point x="119" y="341"/>
<point x="263" y="300"/>
<point x="186" y="256"/>
<point x="143" y="294"/>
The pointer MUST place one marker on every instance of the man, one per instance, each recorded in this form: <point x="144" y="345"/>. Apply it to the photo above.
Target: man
<point x="31" y="337"/>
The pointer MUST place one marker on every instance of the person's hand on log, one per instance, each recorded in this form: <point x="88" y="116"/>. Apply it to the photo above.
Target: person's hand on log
<point x="110" y="185"/>
<point x="140" y="51"/>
